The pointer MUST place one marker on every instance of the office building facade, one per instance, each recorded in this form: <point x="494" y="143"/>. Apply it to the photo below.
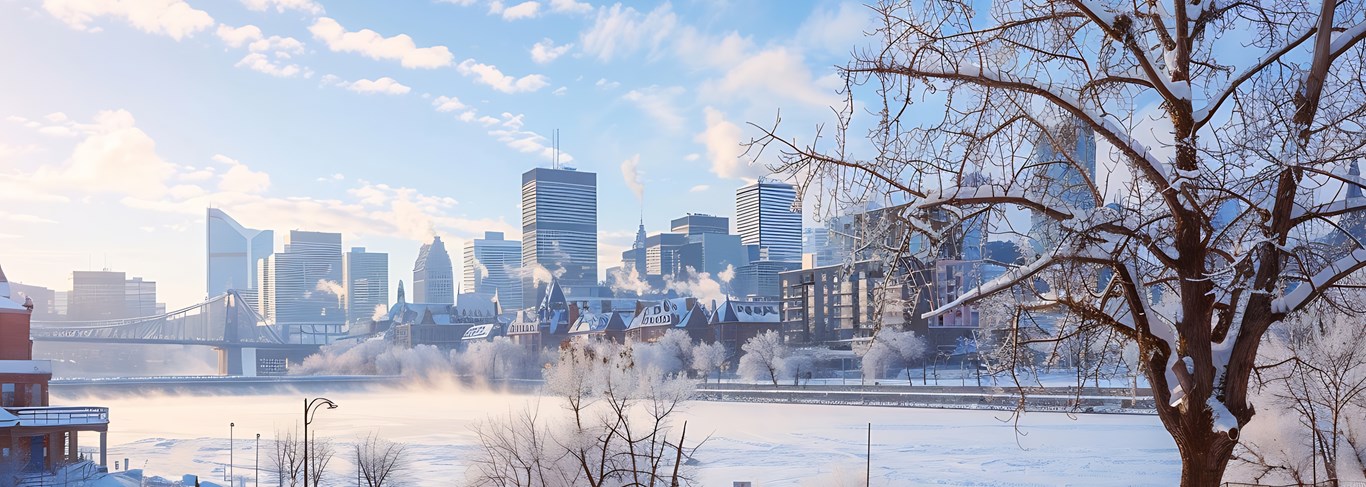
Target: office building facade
<point x="492" y="265"/>
<point x="233" y="253"/>
<point x="559" y="229"/>
<point x="433" y="275"/>
<point x="765" y="216"/>
<point x="366" y="275"/>
<point x="302" y="284"/>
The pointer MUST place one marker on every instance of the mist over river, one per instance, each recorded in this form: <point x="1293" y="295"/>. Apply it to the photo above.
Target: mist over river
<point x="769" y="444"/>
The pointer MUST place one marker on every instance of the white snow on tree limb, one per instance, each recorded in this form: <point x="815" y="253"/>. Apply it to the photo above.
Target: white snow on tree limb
<point x="1224" y="421"/>
<point x="1345" y="39"/>
<point x="1300" y="295"/>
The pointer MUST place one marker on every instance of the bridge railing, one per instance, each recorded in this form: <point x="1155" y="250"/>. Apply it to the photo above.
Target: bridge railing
<point x="60" y="415"/>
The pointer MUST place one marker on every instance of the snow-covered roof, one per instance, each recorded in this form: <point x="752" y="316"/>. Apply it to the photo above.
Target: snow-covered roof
<point x="8" y="304"/>
<point x="481" y="332"/>
<point x="733" y="311"/>
<point x="601" y="322"/>
<point x="7" y="419"/>
<point x="677" y="312"/>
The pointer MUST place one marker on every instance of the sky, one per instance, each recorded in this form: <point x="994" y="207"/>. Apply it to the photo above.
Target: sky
<point x="390" y="122"/>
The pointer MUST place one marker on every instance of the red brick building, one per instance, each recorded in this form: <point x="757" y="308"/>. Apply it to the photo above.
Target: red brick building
<point x="36" y="438"/>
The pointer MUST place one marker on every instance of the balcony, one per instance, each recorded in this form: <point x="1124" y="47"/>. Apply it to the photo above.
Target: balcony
<point x="60" y="416"/>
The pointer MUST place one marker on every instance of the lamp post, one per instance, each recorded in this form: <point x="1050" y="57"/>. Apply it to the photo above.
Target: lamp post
<point x="230" y="427"/>
<point x="311" y="408"/>
<point x="256" y="471"/>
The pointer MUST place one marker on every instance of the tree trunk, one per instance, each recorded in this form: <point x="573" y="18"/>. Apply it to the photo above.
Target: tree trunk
<point x="1204" y="453"/>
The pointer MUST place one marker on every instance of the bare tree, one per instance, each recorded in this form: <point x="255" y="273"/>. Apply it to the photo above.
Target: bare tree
<point x="288" y="458"/>
<point x="987" y="112"/>
<point x="379" y="461"/>
<point x="320" y="452"/>
<point x="618" y="430"/>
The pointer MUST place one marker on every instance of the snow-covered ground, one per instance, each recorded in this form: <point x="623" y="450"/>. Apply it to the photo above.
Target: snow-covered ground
<point x="769" y="444"/>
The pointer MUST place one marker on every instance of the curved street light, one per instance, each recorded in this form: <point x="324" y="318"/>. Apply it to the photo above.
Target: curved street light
<point x="230" y="427"/>
<point x="310" y="409"/>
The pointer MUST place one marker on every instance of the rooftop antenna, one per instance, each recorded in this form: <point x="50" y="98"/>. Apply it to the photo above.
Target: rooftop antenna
<point x="555" y="143"/>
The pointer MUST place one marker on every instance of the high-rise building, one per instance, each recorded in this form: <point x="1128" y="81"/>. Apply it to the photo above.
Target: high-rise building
<point x="493" y="265"/>
<point x="302" y="284"/>
<point x="559" y="228"/>
<point x="141" y="297"/>
<point x="698" y="224"/>
<point x="233" y="252"/>
<point x="44" y="300"/>
<point x="107" y="295"/>
<point x="765" y="216"/>
<point x="98" y="295"/>
<point x="433" y="277"/>
<point x="1065" y="156"/>
<point x="366" y="275"/>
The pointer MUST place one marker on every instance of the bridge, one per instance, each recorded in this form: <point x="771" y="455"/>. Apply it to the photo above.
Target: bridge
<point x="246" y="344"/>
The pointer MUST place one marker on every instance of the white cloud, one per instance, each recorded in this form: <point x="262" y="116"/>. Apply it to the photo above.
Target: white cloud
<point x="173" y="18"/>
<point x="462" y="3"/>
<point x="722" y="140"/>
<point x="839" y="30"/>
<point x="658" y="103"/>
<point x="239" y="178"/>
<point x="238" y="36"/>
<point x="775" y="72"/>
<point x="384" y="85"/>
<point x="546" y="51"/>
<point x="447" y="104"/>
<point x="375" y="46"/>
<point x="560" y="91"/>
<point x="520" y="140"/>
<point x="265" y="51"/>
<point x="306" y="6"/>
<point x="570" y="6"/>
<point x="692" y="157"/>
<point x="699" y="188"/>
<point x="604" y="84"/>
<point x="630" y="172"/>
<point x="524" y="10"/>
<point x="114" y="157"/>
<point x="623" y="31"/>
<point x="261" y="63"/>
<point x="22" y="218"/>
<point x="490" y="75"/>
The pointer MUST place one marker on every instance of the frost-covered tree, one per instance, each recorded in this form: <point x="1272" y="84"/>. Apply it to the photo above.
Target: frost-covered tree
<point x="496" y="359"/>
<point x="763" y="358"/>
<point x="708" y="358"/>
<point x="1315" y="371"/>
<point x="1224" y="130"/>
<point x="671" y="353"/>
<point x="618" y="430"/>
<point x="288" y="458"/>
<point x="892" y="347"/>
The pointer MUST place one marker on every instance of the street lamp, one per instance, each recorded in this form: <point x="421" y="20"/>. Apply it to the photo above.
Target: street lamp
<point x="311" y="408"/>
<point x="256" y="474"/>
<point x="230" y="427"/>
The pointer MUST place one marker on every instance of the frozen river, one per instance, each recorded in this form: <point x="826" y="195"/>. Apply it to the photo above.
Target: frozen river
<point x="768" y="444"/>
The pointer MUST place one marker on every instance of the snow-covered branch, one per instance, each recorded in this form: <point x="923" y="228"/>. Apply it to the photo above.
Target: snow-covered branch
<point x="1318" y="283"/>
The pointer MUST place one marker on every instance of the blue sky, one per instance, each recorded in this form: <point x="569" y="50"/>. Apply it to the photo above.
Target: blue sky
<point x="386" y="121"/>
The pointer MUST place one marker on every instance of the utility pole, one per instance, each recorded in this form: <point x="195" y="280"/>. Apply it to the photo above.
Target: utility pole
<point x="868" y="466"/>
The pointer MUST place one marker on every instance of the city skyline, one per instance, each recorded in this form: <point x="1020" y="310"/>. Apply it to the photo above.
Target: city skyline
<point x="401" y="113"/>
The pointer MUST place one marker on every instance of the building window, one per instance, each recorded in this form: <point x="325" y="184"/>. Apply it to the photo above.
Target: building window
<point x="7" y="395"/>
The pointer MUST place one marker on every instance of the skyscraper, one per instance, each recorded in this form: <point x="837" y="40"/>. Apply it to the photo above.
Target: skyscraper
<point x="764" y="216"/>
<point x="493" y="265"/>
<point x="698" y="224"/>
<point x="232" y="253"/>
<point x="559" y="228"/>
<point x="367" y="283"/>
<point x="1066" y="159"/>
<point x="107" y="295"/>
<point x="302" y="284"/>
<point x="433" y="277"/>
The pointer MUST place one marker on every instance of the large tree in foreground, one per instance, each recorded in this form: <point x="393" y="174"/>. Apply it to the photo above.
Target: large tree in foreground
<point x="1229" y="125"/>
